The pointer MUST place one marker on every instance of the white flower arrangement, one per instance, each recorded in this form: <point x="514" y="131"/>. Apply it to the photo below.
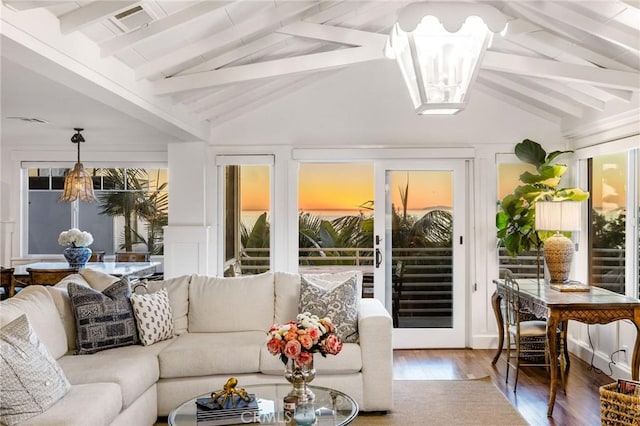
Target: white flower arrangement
<point x="75" y="237"/>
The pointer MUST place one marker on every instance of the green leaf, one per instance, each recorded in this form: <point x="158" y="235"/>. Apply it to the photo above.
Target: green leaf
<point x="553" y="155"/>
<point x="530" y="152"/>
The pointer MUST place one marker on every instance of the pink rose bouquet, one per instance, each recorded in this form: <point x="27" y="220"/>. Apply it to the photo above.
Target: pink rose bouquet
<point x="300" y="339"/>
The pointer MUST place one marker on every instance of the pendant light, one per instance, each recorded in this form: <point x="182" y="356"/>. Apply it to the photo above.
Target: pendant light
<point x="78" y="183"/>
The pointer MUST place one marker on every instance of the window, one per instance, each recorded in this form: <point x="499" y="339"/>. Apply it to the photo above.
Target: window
<point x="523" y="265"/>
<point x="613" y="179"/>
<point x="607" y="220"/>
<point x="129" y="213"/>
<point x="246" y="220"/>
<point x="335" y="205"/>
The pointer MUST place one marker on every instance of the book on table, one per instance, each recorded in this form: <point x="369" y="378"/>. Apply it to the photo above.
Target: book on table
<point x="211" y="414"/>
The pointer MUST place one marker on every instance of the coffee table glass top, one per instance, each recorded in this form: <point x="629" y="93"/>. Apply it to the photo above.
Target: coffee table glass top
<point x="332" y="407"/>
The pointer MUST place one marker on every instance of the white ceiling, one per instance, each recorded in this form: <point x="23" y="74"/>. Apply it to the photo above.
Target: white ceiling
<point x="197" y="64"/>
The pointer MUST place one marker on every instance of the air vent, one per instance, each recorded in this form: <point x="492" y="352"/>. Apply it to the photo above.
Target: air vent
<point x="29" y="120"/>
<point x="132" y="19"/>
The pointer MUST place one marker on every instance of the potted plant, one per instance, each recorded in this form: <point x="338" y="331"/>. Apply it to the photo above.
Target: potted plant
<point x="515" y="220"/>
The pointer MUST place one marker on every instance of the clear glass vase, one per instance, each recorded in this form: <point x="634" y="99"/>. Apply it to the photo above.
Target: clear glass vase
<point x="300" y="376"/>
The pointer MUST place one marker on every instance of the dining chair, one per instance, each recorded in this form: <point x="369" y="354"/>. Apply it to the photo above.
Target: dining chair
<point x="133" y="256"/>
<point x="97" y="256"/>
<point x="520" y="331"/>
<point x="397" y="282"/>
<point x="6" y="282"/>
<point x="49" y="276"/>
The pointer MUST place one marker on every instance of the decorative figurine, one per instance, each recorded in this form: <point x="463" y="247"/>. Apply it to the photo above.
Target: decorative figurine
<point x="229" y="391"/>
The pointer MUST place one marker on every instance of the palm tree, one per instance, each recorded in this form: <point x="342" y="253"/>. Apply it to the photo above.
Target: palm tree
<point x="133" y="201"/>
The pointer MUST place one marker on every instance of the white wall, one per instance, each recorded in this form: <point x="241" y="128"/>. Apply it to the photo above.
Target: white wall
<point x="368" y="105"/>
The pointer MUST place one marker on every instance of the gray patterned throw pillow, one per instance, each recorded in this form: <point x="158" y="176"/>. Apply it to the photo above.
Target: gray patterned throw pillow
<point x="105" y="319"/>
<point x="340" y="303"/>
<point x="153" y="316"/>
<point x="32" y="381"/>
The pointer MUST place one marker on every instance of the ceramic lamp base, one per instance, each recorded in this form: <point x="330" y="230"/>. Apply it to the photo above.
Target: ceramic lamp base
<point x="558" y="254"/>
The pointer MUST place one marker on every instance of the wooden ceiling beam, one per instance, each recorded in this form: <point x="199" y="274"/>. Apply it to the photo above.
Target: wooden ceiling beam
<point x="223" y="38"/>
<point x="278" y="67"/>
<point x="519" y="90"/>
<point x="335" y="34"/>
<point x="609" y="31"/>
<point x="546" y="68"/>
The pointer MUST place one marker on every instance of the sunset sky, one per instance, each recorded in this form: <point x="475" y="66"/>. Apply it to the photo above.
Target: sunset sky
<point x="346" y="186"/>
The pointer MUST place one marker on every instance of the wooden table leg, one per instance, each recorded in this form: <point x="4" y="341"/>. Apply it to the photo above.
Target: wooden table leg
<point x="552" y="327"/>
<point x="495" y="302"/>
<point x="565" y="333"/>
<point x="635" y="360"/>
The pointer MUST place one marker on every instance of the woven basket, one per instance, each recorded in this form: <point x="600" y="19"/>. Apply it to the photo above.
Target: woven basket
<point x="617" y="408"/>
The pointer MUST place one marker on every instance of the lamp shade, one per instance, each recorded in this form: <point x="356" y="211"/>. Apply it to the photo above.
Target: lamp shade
<point x="558" y="216"/>
<point x="438" y="47"/>
<point x="78" y="183"/>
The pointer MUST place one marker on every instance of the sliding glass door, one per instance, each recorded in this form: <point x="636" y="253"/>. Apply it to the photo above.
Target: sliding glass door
<point x="419" y="251"/>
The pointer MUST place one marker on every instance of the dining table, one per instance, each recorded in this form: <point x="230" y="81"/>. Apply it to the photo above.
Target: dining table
<point x="118" y="269"/>
<point x="596" y="306"/>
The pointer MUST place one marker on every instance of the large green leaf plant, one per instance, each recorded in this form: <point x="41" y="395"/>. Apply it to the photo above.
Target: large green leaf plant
<point x="515" y="220"/>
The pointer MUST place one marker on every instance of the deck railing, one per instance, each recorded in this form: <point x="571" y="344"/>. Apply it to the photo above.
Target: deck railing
<point x="427" y="282"/>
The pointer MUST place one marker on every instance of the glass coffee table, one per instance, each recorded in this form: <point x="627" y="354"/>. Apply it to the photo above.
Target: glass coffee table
<point x="332" y="407"/>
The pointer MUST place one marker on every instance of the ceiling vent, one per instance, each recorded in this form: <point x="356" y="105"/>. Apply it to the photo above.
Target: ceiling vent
<point x="132" y="19"/>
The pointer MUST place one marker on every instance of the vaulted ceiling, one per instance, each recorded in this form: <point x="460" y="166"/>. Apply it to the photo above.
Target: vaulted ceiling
<point x="216" y="60"/>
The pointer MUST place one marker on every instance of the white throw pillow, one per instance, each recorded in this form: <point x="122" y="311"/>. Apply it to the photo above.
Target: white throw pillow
<point x="32" y="380"/>
<point x="153" y="316"/>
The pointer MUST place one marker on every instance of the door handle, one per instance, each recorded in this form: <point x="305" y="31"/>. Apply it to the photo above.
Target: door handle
<point x="378" y="258"/>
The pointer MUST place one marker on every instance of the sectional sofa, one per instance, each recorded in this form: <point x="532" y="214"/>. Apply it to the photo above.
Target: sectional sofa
<point x="219" y="330"/>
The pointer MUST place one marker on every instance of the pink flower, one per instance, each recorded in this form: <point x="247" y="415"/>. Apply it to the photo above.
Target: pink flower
<point x="292" y="349"/>
<point x="314" y="333"/>
<point x="274" y="346"/>
<point x="306" y="341"/>
<point x="332" y="345"/>
<point x="304" y="358"/>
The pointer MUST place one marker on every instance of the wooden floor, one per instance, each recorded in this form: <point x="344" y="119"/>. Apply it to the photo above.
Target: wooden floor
<point x="580" y="406"/>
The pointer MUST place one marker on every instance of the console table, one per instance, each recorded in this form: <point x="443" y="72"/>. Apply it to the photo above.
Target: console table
<point x="120" y="269"/>
<point x="597" y="306"/>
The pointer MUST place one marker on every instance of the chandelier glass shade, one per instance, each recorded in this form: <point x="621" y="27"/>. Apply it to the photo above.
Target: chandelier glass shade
<point x="438" y="47"/>
<point x="78" y="183"/>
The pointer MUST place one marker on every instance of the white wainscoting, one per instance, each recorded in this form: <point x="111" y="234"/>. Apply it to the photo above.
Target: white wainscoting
<point x="186" y="250"/>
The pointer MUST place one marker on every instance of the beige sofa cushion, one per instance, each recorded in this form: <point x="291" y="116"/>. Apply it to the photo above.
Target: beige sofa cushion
<point x="87" y="404"/>
<point x="202" y="354"/>
<point x="231" y="304"/>
<point x="178" y="289"/>
<point x="348" y="361"/>
<point x="36" y="302"/>
<point x="61" y="299"/>
<point x="98" y="280"/>
<point x="134" y="368"/>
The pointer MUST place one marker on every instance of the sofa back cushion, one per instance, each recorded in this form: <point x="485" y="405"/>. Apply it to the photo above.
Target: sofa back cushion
<point x="36" y="302"/>
<point x="178" y="290"/>
<point x="231" y="304"/>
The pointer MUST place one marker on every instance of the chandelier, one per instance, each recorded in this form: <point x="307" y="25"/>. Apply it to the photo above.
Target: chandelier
<point x="439" y="47"/>
<point x="78" y="183"/>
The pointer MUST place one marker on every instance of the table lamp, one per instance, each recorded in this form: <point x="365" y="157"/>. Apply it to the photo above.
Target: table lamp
<point x="558" y="216"/>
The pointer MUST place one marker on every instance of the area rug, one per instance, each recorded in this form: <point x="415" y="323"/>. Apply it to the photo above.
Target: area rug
<point x="445" y="402"/>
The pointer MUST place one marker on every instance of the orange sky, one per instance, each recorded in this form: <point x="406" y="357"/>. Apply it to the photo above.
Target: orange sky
<point x="345" y="187"/>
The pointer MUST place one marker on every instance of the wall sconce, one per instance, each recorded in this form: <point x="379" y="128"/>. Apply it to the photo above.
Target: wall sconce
<point x="558" y="250"/>
<point x="78" y="183"/>
<point x="439" y="47"/>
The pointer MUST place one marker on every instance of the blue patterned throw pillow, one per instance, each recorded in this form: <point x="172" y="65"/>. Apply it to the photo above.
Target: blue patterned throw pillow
<point x="104" y="320"/>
